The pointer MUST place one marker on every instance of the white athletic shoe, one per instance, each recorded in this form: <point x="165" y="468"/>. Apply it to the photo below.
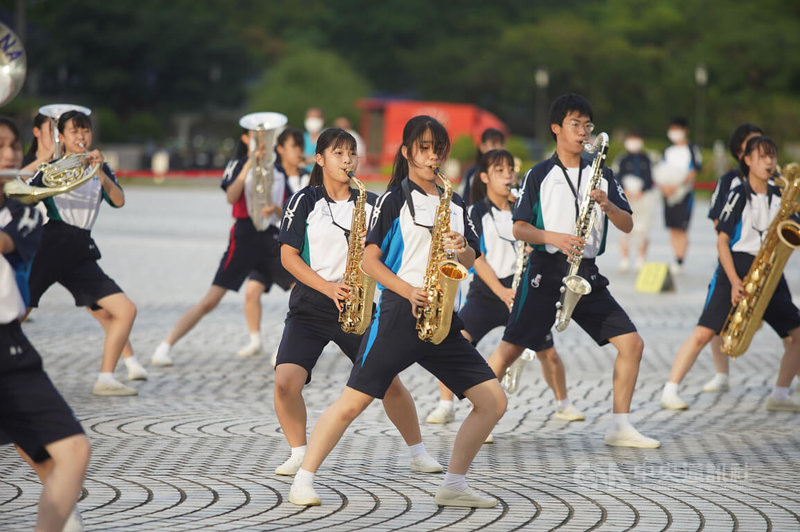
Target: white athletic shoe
<point x="250" y="350"/>
<point x="630" y="437"/>
<point x="489" y="438"/>
<point x="673" y="402"/>
<point x="161" y="359"/>
<point x="113" y="388"/>
<point x="290" y="466"/>
<point x="303" y="495"/>
<point x="440" y="415"/>
<point x="717" y="384"/>
<point x="467" y="498"/>
<point x="675" y="268"/>
<point x="782" y="405"/>
<point x="425" y="463"/>
<point x="136" y="371"/>
<point x="74" y="522"/>
<point x="624" y="265"/>
<point x="569" y="413"/>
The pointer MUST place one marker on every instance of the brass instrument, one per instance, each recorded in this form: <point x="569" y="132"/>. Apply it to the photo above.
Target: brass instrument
<point x="12" y="64"/>
<point x="783" y="237"/>
<point x="264" y="129"/>
<point x="442" y="274"/>
<point x="574" y="286"/>
<point x="510" y="380"/>
<point x="60" y="176"/>
<point x="357" y="308"/>
<point x="54" y="111"/>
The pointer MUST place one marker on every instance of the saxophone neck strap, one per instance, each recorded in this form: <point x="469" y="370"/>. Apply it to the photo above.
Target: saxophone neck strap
<point x="405" y="187"/>
<point x="328" y="201"/>
<point x="574" y="189"/>
<point x="489" y="207"/>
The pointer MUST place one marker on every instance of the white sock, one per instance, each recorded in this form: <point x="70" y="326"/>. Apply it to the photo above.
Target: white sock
<point x="779" y="392"/>
<point x="620" y="422"/>
<point x="455" y="482"/>
<point x="255" y="338"/>
<point x="564" y="403"/>
<point x="162" y="349"/>
<point x="671" y="388"/>
<point x="105" y="378"/>
<point x="299" y="451"/>
<point x="446" y="404"/>
<point x="416" y="449"/>
<point x="131" y="361"/>
<point x="303" y="478"/>
<point x="721" y="378"/>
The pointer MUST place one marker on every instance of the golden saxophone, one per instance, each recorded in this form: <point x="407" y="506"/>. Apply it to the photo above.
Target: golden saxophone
<point x="357" y="308"/>
<point x="442" y="274"/>
<point x="59" y="176"/>
<point x="574" y="286"/>
<point x="783" y="237"/>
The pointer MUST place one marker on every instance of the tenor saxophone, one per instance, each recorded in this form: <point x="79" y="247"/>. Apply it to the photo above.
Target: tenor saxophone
<point x="783" y="237"/>
<point x="357" y="308"/>
<point x="574" y="286"/>
<point x="442" y="274"/>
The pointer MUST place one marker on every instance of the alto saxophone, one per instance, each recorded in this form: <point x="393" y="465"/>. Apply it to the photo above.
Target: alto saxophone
<point x="510" y="379"/>
<point x="357" y="308"/>
<point x="442" y="274"/>
<point x="783" y="237"/>
<point x="574" y="286"/>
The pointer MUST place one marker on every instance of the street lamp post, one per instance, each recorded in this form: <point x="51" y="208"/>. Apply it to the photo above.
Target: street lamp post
<point x="542" y="79"/>
<point x="701" y="78"/>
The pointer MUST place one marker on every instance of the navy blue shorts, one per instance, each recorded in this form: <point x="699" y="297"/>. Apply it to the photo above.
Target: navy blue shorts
<point x="312" y="322"/>
<point x="781" y="313"/>
<point x="534" y="313"/>
<point x="483" y="310"/>
<point x="252" y="253"/>
<point x="67" y="255"/>
<point x="391" y="344"/>
<point x="32" y="412"/>
<point x="677" y="216"/>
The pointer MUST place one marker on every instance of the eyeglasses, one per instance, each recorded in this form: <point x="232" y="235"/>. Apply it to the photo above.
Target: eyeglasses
<point x="576" y="126"/>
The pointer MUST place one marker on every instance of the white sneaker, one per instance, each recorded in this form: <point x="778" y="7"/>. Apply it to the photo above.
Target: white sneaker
<point x="113" y="388"/>
<point x="303" y="495"/>
<point x="290" y="466"/>
<point x="440" y="415"/>
<point x="160" y="359"/>
<point x="639" y="264"/>
<point x="630" y="437"/>
<point x="74" y="522"/>
<point x="467" y="498"/>
<point x="569" y="413"/>
<point x="250" y="350"/>
<point x="425" y="463"/>
<point x="675" y="268"/>
<point x="782" y="405"/>
<point x="136" y="371"/>
<point x="624" y="265"/>
<point x="673" y="402"/>
<point x="489" y="438"/>
<point x="717" y="384"/>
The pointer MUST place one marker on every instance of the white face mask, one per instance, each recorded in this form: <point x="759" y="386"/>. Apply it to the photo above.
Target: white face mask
<point x="634" y="145"/>
<point x="313" y="124"/>
<point x="676" y="135"/>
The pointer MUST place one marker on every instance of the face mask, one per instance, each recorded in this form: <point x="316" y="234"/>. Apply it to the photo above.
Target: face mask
<point x="313" y="124"/>
<point x="634" y="145"/>
<point x="676" y="135"/>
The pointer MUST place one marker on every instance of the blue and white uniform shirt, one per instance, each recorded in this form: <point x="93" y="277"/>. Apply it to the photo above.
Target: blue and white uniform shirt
<point x="319" y="228"/>
<point x="497" y="243"/>
<point x="78" y="207"/>
<point x="280" y="191"/>
<point x="23" y="223"/>
<point x="725" y="184"/>
<point x="746" y="217"/>
<point x="549" y="202"/>
<point x="405" y="238"/>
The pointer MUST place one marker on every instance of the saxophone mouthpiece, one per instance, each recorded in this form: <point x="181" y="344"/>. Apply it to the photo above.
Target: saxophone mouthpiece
<point x="350" y="173"/>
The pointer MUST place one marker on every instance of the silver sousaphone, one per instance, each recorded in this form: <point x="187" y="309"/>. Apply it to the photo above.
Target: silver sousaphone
<point x="12" y="64"/>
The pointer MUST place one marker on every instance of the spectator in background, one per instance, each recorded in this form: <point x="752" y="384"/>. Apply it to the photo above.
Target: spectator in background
<point x="313" y="123"/>
<point x="637" y="181"/>
<point x="491" y="139"/>
<point x="344" y="123"/>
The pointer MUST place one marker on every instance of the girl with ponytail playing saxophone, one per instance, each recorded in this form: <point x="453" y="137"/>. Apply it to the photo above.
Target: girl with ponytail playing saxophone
<point x="315" y="237"/>
<point x="395" y="256"/>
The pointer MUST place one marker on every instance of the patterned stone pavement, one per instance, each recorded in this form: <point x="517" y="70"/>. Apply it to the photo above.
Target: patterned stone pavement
<point x="196" y="450"/>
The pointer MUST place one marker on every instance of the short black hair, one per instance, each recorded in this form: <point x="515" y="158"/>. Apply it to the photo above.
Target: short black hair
<point x="294" y="133"/>
<point x="738" y="136"/>
<point x="78" y="118"/>
<point x="762" y="144"/>
<point x="492" y="134"/>
<point x="568" y="103"/>
<point x="679" y="121"/>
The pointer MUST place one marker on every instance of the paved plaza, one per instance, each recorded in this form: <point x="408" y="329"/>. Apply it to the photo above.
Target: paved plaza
<point x="197" y="449"/>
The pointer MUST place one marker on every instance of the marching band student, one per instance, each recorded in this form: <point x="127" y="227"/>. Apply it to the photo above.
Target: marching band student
<point x="491" y="139"/>
<point x="742" y="227"/>
<point x="720" y="381"/>
<point x="248" y="250"/>
<point x="315" y="235"/>
<point x="545" y="215"/>
<point x="490" y="295"/>
<point x="637" y="181"/>
<point x="396" y="257"/>
<point x="69" y="256"/>
<point x="33" y="415"/>
<point x="289" y="158"/>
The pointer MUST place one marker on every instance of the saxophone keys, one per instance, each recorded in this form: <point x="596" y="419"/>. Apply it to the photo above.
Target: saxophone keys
<point x="750" y="288"/>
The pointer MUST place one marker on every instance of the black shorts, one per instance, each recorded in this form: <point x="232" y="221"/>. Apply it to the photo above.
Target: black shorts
<point x="68" y="255"/>
<point x="391" y="344"/>
<point x="677" y="216"/>
<point x="252" y="253"/>
<point x="32" y="412"/>
<point x="534" y="313"/>
<point x="312" y="322"/>
<point x="781" y="314"/>
<point x="483" y="310"/>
